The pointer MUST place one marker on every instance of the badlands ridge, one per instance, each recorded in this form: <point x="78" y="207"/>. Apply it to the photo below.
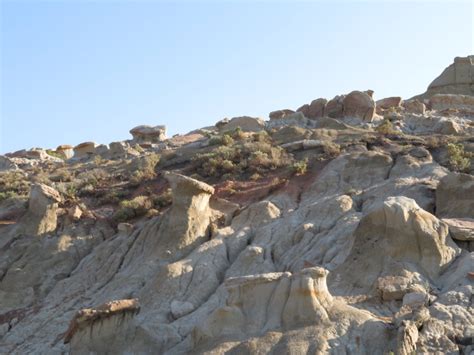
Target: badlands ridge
<point x="345" y="226"/>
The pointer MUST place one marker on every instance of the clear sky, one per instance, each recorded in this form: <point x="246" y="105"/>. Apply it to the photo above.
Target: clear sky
<point x="75" y="71"/>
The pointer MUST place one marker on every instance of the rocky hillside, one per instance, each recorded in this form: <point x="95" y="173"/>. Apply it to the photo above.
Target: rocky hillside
<point x="345" y="226"/>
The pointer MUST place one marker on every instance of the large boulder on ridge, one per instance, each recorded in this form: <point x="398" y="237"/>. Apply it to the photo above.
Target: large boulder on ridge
<point x="359" y="104"/>
<point x="246" y="124"/>
<point x="148" y="134"/>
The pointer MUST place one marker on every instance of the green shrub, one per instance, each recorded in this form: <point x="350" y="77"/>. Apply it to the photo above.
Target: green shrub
<point x="386" y="127"/>
<point x="332" y="149"/>
<point x="144" y="168"/>
<point x="163" y="200"/>
<point x="133" y="208"/>
<point x="261" y="136"/>
<point x="238" y="134"/>
<point x="55" y="154"/>
<point x="459" y="160"/>
<point x="14" y="181"/>
<point x="243" y="158"/>
<point x="300" y="167"/>
<point x="7" y="195"/>
<point x="225" y="140"/>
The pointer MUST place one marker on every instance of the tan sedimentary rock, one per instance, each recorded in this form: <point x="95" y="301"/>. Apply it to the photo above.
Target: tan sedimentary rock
<point x="41" y="216"/>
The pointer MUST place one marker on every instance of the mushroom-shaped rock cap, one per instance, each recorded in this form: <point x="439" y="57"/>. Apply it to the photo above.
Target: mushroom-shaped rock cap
<point x="146" y="130"/>
<point x="85" y="144"/>
<point x="87" y="316"/>
<point x="178" y="181"/>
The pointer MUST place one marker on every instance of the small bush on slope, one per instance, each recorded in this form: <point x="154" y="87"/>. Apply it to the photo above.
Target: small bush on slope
<point x="459" y="160"/>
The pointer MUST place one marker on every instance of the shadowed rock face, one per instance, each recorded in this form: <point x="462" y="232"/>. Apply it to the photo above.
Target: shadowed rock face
<point x="41" y="216"/>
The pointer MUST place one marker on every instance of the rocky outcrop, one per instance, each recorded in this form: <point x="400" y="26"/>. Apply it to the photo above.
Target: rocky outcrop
<point x="246" y="124"/>
<point x="65" y="150"/>
<point x="442" y="102"/>
<point x="454" y="196"/>
<point x="84" y="150"/>
<point x="461" y="228"/>
<point x="360" y="105"/>
<point x="389" y="102"/>
<point x="187" y="222"/>
<point x="414" y="106"/>
<point x="99" y="329"/>
<point x="315" y="109"/>
<point x="405" y="237"/>
<point x="7" y="164"/>
<point x="148" y="134"/>
<point x="458" y="79"/>
<point x="335" y="107"/>
<point x="41" y="216"/>
<point x="275" y="115"/>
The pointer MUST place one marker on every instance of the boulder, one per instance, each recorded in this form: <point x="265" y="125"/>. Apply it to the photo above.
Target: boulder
<point x="389" y="102"/>
<point x="295" y="119"/>
<point x="41" y="216"/>
<point x="334" y="108"/>
<point x="275" y="115"/>
<point x="148" y="134"/>
<point x="454" y="196"/>
<point x="315" y="109"/>
<point x="414" y="106"/>
<point x="246" y="124"/>
<point x="65" y="150"/>
<point x="461" y="228"/>
<point x="121" y="150"/>
<point x="102" y="150"/>
<point x="359" y="104"/>
<point x="84" y="150"/>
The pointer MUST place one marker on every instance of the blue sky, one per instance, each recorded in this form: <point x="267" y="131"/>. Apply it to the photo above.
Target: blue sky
<point x="74" y="71"/>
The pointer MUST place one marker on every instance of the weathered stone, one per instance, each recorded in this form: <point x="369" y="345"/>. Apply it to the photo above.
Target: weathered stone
<point x="65" y="150"/>
<point x="461" y="228"/>
<point x="84" y="150"/>
<point x="334" y="108"/>
<point x="7" y="164"/>
<point x="148" y="134"/>
<point x="442" y="102"/>
<point x="389" y="102"/>
<point x="414" y="106"/>
<point x="403" y="234"/>
<point x="41" y="216"/>
<point x="275" y="115"/>
<point x="454" y="196"/>
<point x="246" y="124"/>
<point x="458" y="78"/>
<point x="317" y="108"/>
<point x="360" y="105"/>
<point x="85" y="318"/>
